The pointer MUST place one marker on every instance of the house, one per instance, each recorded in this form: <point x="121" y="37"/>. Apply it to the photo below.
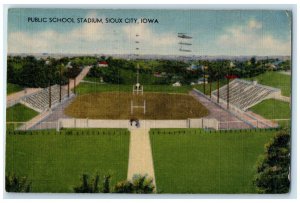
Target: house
<point x="192" y="67"/>
<point x="157" y="74"/>
<point x="102" y="64"/>
<point x="69" y="65"/>
<point x="176" y="84"/>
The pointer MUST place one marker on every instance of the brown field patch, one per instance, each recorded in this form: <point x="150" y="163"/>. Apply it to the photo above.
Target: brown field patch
<point x="117" y="106"/>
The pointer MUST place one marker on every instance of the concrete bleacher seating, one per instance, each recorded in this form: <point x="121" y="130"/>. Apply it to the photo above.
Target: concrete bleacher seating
<point x="245" y="94"/>
<point x="39" y="101"/>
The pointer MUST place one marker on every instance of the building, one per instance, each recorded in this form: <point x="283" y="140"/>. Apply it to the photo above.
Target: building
<point x="102" y="64"/>
<point x="176" y="84"/>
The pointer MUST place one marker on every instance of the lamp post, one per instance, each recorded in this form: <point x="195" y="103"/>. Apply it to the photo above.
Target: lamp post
<point x="74" y="85"/>
<point x="68" y="86"/>
<point x="229" y="76"/>
<point x="204" y="80"/>
<point x="49" y="95"/>
<point x="218" y="85"/>
<point x="228" y="91"/>
<point x="60" y="75"/>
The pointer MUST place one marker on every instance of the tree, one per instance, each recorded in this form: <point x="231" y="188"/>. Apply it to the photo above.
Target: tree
<point x="139" y="184"/>
<point x="106" y="184"/>
<point x="88" y="186"/>
<point x="92" y="186"/>
<point x="14" y="183"/>
<point x="123" y="187"/>
<point x="273" y="169"/>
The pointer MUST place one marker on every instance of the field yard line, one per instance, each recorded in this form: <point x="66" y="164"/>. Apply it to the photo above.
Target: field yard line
<point x="140" y="154"/>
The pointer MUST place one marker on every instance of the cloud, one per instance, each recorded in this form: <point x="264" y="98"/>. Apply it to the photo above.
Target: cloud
<point x="149" y="40"/>
<point x="84" y="38"/>
<point x="90" y="38"/>
<point x="251" y="39"/>
<point x="253" y="24"/>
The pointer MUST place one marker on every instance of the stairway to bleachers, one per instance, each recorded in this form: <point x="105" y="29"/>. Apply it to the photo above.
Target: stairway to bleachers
<point x="39" y="101"/>
<point x="245" y="94"/>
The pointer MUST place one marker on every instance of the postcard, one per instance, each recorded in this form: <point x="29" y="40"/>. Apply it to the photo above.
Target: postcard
<point x="164" y="101"/>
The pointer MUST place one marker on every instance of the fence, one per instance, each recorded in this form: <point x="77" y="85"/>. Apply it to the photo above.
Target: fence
<point x="186" y="123"/>
<point x="31" y="125"/>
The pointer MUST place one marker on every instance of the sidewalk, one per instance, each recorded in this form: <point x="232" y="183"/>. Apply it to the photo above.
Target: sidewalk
<point x="80" y="77"/>
<point x="14" y="98"/>
<point x="140" y="154"/>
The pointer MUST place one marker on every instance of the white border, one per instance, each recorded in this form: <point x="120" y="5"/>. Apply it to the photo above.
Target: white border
<point x="3" y="52"/>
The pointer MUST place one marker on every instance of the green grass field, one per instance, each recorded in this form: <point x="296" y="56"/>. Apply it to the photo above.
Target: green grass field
<point x="12" y="88"/>
<point x="55" y="162"/>
<point x="85" y="88"/>
<point x="275" y="79"/>
<point x="273" y="109"/>
<point x="19" y="113"/>
<point x="203" y="162"/>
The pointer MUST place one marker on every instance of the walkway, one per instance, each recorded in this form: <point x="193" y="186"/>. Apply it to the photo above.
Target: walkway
<point x="140" y="154"/>
<point x="14" y="98"/>
<point x="226" y="119"/>
<point x="79" y="78"/>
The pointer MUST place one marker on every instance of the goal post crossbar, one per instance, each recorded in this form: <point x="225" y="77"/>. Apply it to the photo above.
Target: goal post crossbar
<point x="138" y="106"/>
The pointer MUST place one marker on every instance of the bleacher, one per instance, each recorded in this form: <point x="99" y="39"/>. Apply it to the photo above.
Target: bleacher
<point x="245" y="94"/>
<point x="39" y="101"/>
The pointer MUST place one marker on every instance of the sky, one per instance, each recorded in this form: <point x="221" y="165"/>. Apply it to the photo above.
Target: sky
<point x="214" y="32"/>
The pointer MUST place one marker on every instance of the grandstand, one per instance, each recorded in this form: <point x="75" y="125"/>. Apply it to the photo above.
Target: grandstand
<point x="39" y="101"/>
<point x="245" y="94"/>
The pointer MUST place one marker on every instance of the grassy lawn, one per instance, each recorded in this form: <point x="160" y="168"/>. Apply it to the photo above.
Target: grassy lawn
<point x="11" y="88"/>
<point x="85" y="88"/>
<point x="275" y="79"/>
<point x="117" y="106"/>
<point x="91" y="79"/>
<point x="55" y="162"/>
<point x="194" y="161"/>
<point x="19" y="113"/>
<point x="273" y="109"/>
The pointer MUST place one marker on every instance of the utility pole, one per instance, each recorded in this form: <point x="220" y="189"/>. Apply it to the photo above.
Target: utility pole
<point x="60" y="83"/>
<point x="228" y="92"/>
<point x="137" y="73"/>
<point x="68" y="87"/>
<point x="218" y="87"/>
<point x="74" y="85"/>
<point x="209" y="77"/>
<point x="218" y="84"/>
<point x="50" y="95"/>
<point x="204" y="80"/>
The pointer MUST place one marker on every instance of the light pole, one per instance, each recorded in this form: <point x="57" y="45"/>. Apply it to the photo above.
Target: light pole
<point x="60" y="75"/>
<point x="49" y="89"/>
<point x="218" y="85"/>
<point x="229" y="76"/>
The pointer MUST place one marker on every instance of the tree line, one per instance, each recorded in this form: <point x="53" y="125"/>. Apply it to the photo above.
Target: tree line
<point x="32" y="72"/>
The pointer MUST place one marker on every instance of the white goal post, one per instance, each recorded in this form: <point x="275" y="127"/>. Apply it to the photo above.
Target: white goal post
<point x="136" y="89"/>
<point x="137" y="106"/>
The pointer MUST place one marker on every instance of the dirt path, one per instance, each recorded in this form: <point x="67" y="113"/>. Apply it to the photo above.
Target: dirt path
<point x="140" y="154"/>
